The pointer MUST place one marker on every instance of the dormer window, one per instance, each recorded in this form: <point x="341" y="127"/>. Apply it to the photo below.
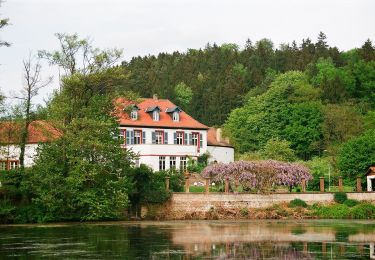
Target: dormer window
<point x="155" y="111"/>
<point x="176" y="116"/>
<point x="134" y="115"/>
<point x="133" y="111"/>
<point x="174" y="112"/>
<point x="155" y="115"/>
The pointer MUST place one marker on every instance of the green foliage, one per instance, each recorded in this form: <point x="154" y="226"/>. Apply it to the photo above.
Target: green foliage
<point x="336" y="211"/>
<point x="279" y="150"/>
<point x="149" y="186"/>
<point x="82" y="175"/>
<point x="7" y="210"/>
<point x="184" y="94"/>
<point x="244" y="212"/>
<point x="75" y="51"/>
<point x="341" y="122"/>
<point x="286" y="111"/>
<point x="351" y="203"/>
<point x="363" y="211"/>
<point x="334" y="81"/>
<point x="196" y="188"/>
<point x="357" y="155"/>
<point x="197" y="165"/>
<point x="4" y="22"/>
<point x="340" y="197"/>
<point x="297" y="203"/>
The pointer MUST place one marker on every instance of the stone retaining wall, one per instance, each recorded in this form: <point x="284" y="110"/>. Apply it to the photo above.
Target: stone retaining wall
<point x="188" y="203"/>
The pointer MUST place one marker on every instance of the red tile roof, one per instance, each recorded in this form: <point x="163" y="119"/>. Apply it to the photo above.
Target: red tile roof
<point x="39" y="132"/>
<point x="212" y="139"/>
<point x="145" y="119"/>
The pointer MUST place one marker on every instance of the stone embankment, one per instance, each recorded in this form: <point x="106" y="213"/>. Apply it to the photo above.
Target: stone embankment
<point x="202" y="205"/>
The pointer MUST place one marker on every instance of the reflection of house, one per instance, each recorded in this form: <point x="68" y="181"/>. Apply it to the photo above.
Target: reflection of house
<point x="372" y="251"/>
<point x="10" y="138"/>
<point x="370" y="175"/>
<point x="165" y="137"/>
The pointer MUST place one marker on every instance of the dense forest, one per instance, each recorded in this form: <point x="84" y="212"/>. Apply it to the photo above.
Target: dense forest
<point x="306" y="102"/>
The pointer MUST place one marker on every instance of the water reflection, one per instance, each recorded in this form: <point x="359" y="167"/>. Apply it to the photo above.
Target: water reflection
<point x="192" y="240"/>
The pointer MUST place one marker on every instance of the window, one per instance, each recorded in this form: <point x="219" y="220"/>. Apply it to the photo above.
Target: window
<point x="183" y="163"/>
<point x="176" y="116"/>
<point x="137" y="136"/>
<point x="194" y="139"/>
<point x="13" y="165"/>
<point x="172" y="162"/>
<point x="155" y="115"/>
<point x="121" y="135"/>
<point x="161" y="163"/>
<point x="9" y="165"/>
<point x="159" y="137"/>
<point x="136" y="162"/>
<point x="179" y="138"/>
<point x="134" y="115"/>
<point x="3" y="166"/>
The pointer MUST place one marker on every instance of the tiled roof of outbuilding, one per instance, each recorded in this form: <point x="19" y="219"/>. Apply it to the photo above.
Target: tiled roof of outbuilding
<point x="39" y="132"/>
<point x="212" y="138"/>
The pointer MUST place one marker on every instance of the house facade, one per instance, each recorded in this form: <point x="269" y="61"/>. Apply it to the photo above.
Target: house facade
<point x="165" y="137"/>
<point x="10" y="138"/>
<point x="156" y="130"/>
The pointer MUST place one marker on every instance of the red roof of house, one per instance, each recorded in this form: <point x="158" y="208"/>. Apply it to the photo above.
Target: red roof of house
<point x="212" y="139"/>
<point x="39" y="132"/>
<point x="145" y="118"/>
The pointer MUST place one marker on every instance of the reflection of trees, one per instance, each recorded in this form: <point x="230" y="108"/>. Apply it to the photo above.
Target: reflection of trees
<point x="190" y="240"/>
<point x="264" y="250"/>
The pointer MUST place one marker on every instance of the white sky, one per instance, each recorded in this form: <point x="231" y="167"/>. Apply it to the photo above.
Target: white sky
<point x="144" y="27"/>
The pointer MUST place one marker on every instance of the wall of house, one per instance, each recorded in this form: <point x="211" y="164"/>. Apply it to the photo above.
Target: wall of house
<point x="149" y="153"/>
<point x="12" y="152"/>
<point x="220" y="154"/>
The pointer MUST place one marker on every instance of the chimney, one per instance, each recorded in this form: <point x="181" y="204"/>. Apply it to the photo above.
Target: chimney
<point x="155" y="97"/>
<point x="218" y="135"/>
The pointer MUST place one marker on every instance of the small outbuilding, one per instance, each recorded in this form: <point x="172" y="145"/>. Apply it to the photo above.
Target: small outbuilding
<point x="370" y="175"/>
<point x="218" y="147"/>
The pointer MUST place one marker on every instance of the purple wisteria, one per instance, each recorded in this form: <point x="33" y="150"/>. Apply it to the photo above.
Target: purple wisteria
<point x="259" y="175"/>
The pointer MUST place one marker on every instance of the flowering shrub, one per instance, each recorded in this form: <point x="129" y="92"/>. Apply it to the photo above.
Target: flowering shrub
<point x="259" y="175"/>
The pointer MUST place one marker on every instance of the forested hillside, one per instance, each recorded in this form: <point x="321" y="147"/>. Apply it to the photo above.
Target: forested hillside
<point x="294" y="101"/>
<point x="221" y="76"/>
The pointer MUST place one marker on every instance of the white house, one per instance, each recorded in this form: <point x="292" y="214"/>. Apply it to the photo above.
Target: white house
<point x="159" y="132"/>
<point x="165" y="137"/>
<point x="10" y="136"/>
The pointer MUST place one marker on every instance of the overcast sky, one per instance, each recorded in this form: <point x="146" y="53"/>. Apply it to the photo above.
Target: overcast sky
<point x="144" y="27"/>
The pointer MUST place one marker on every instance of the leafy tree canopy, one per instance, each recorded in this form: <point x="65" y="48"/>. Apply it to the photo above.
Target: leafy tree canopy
<point x="288" y="110"/>
<point x="357" y="155"/>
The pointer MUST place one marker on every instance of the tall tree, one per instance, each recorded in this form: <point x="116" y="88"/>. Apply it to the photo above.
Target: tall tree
<point x="321" y="45"/>
<point x="33" y="83"/>
<point x="367" y="51"/>
<point x="79" y="55"/>
<point x="3" y="22"/>
<point x="183" y="94"/>
<point x="2" y="99"/>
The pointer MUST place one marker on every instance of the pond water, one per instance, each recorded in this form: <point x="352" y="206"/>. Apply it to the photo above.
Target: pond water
<point x="191" y="240"/>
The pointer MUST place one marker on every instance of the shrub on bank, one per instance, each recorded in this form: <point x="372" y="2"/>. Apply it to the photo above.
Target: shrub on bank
<point x="336" y="211"/>
<point x="297" y="203"/>
<point x="363" y="211"/>
<point x="351" y="203"/>
<point x="340" y="197"/>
